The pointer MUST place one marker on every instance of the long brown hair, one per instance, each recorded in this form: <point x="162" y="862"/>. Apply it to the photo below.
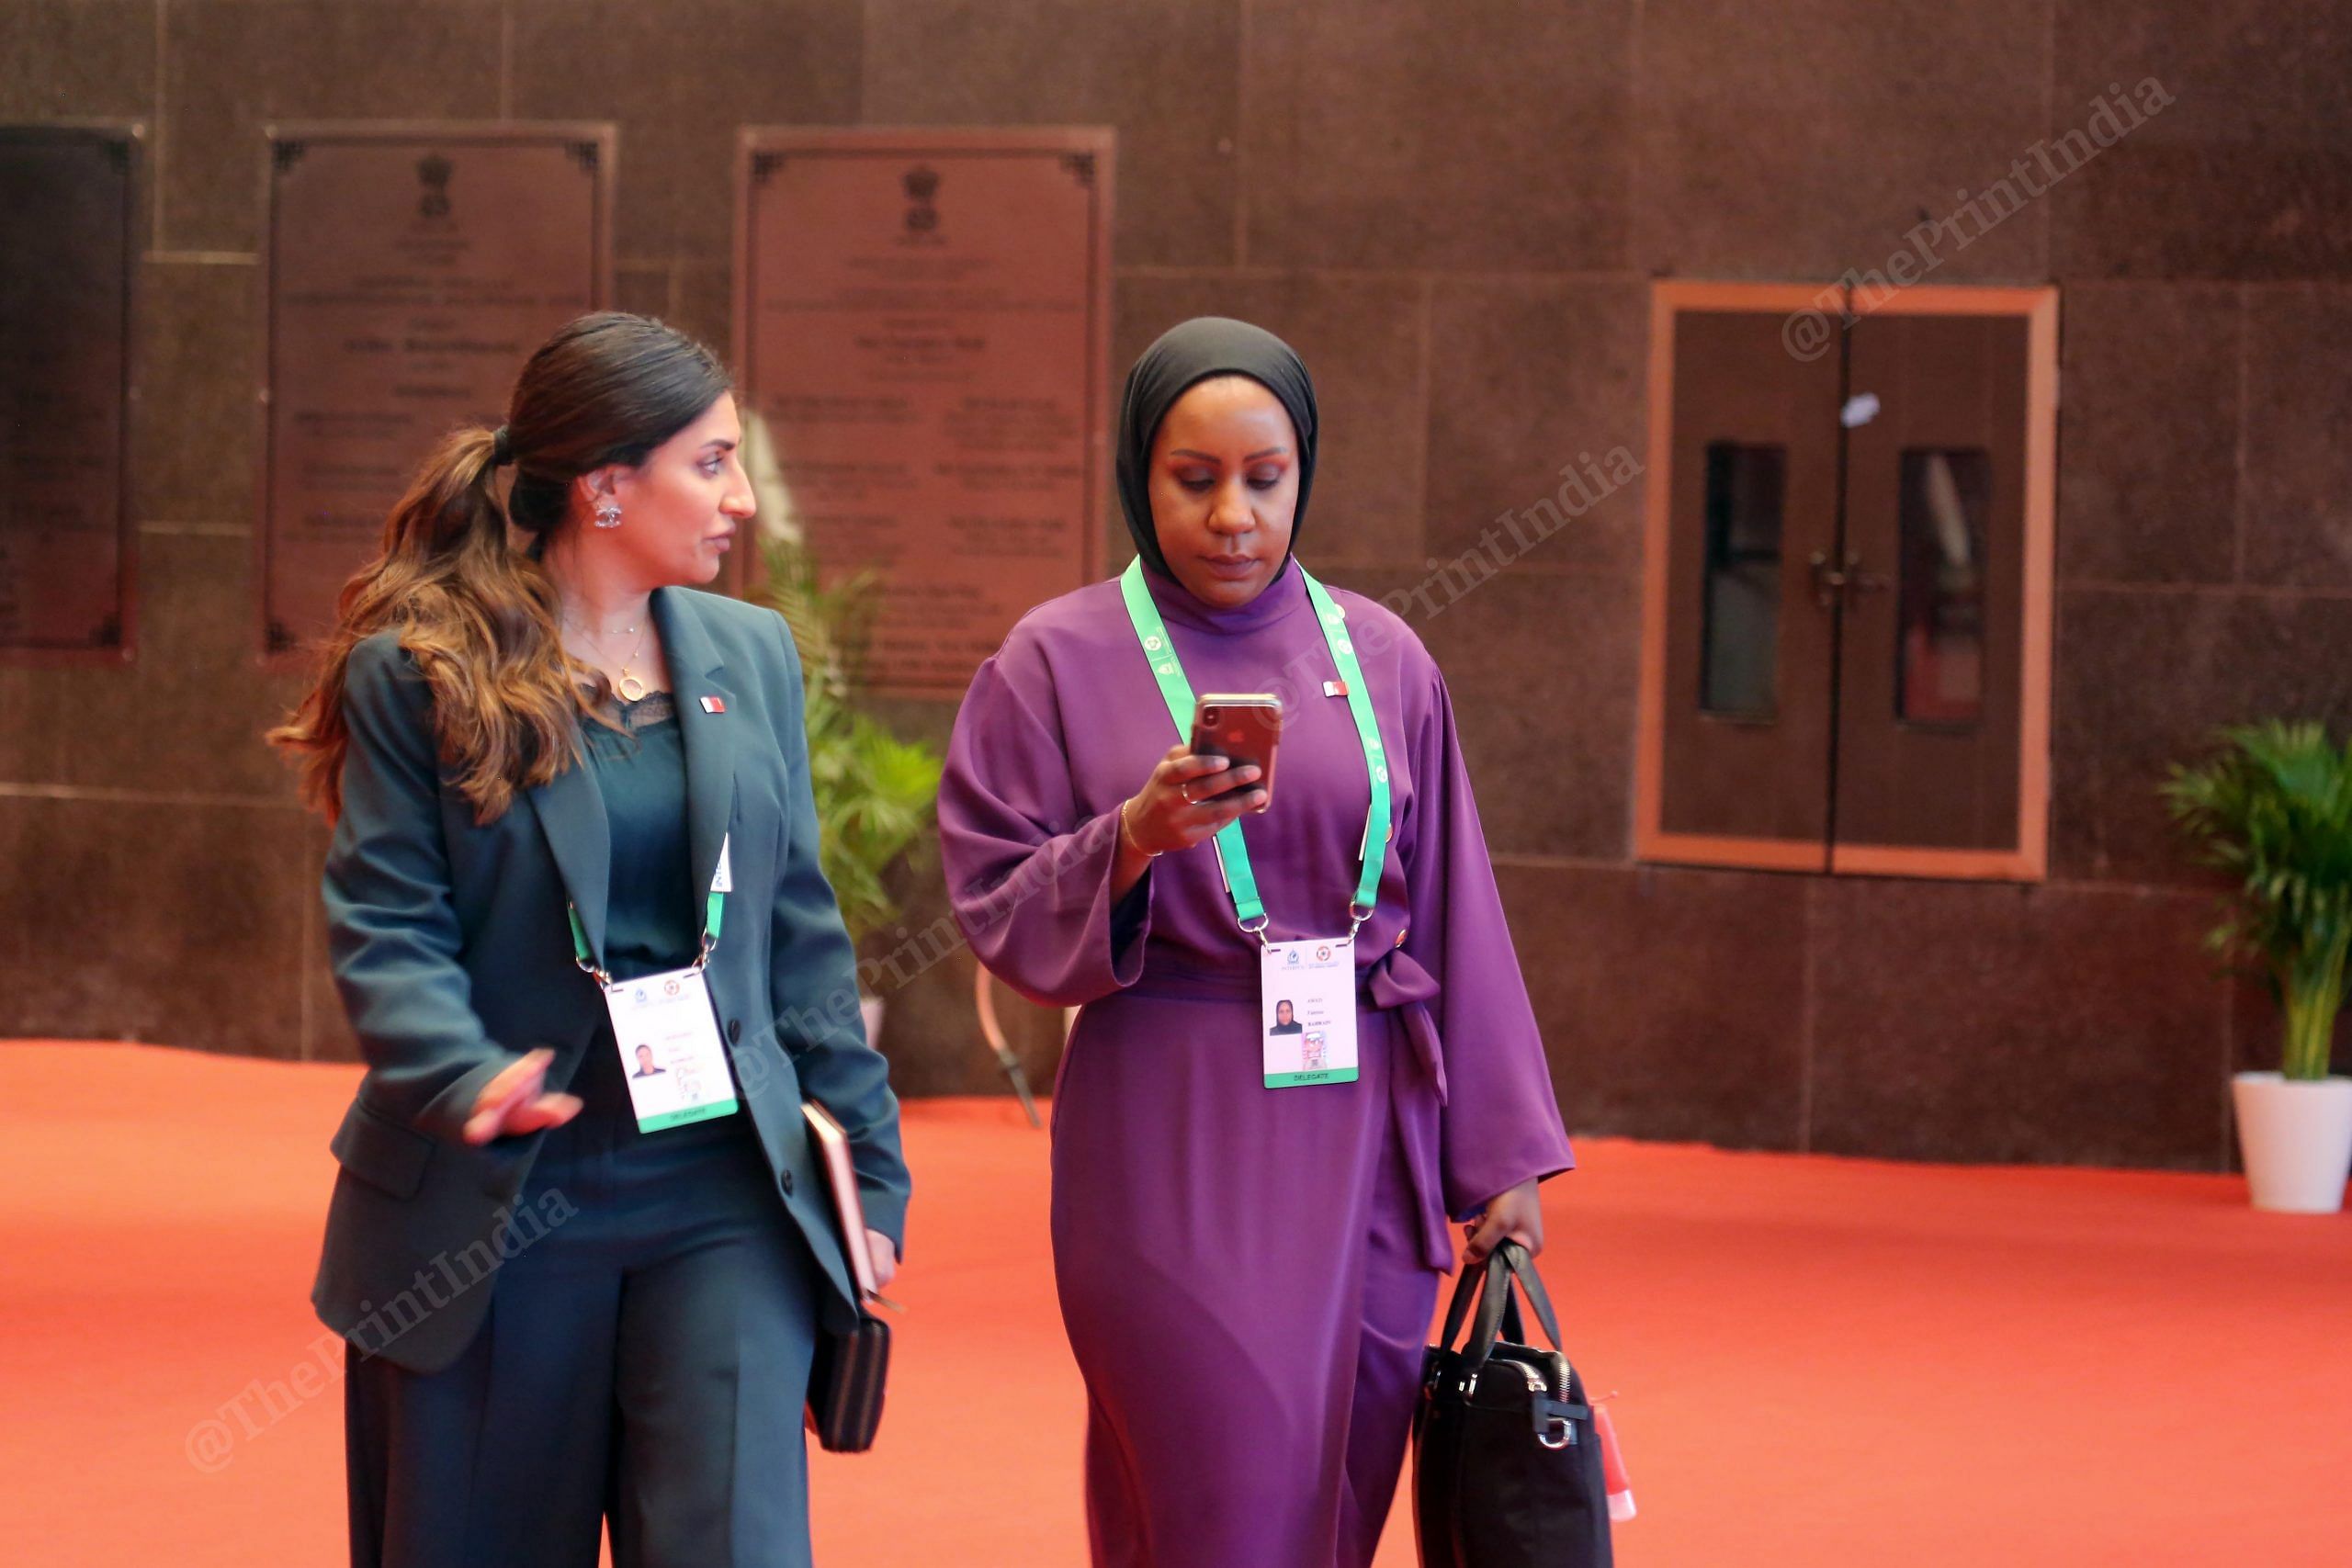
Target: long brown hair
<point x="474" y="607"/>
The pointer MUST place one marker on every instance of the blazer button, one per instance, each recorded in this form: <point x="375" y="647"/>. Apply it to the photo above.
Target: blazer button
<point x="787" y="1184"/>
<point x="734" y="1030"/>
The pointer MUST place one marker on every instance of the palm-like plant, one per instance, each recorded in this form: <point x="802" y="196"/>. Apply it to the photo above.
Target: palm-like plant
<point x="2274" y="809"/>
<point x="875" y="793"/>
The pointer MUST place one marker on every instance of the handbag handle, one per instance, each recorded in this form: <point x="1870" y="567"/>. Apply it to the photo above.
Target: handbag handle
<point x="1509" y="1263"/>
<point x="1498" y="1306"/>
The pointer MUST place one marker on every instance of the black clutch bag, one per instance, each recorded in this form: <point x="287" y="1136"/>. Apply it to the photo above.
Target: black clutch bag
<point x="1507" y="1465"/>
<point x="845" y="1385"/>
<point x="846" y="1378"/>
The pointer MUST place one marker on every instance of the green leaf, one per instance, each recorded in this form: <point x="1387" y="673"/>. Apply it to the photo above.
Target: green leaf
<point x="875" y="793"/>
<point x="2272" y="807"/>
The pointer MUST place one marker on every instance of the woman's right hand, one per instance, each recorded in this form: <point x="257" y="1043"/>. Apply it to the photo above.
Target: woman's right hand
<point x="513" y="1103"/>
<point x="1184" y="801"/>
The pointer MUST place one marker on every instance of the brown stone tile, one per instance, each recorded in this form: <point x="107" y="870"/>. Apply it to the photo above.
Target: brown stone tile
<point x="31" y="738"/>
<point x="1671" y="1001"/>
<point x="2246" y="175"/>
<point x="197" y="429"/>
<point x="76" y="59"/>
<point x="642" y="288"/>
<point x="1429" y="134"/>
<point x="1163" y="72"/>
<point x="1526" y="380"/>
<point x="703" y="306"/>
<point x="680" y="78"/>
<point x="1801" y="139"/>
<point x="48" y="34"/>
<point x="230" y="70"/>
<point x="176" y="925"/>
<point x="2298" y="511"/>
<point x="188" y="716"/>
<point x="1977" y="1022"/>
<point x="1542" y="669"/>
<point x="1362" y="339"/>
<point x="2148" y="434"/>
<point x="2143" y="679"/>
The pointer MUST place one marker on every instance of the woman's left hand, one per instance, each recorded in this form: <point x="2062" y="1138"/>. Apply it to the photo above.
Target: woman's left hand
<point x="886" y="1259"/>
<point x="1515" y="1215"/>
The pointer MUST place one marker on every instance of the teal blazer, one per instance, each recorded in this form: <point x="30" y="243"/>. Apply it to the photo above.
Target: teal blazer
<point x="453" y="953"/>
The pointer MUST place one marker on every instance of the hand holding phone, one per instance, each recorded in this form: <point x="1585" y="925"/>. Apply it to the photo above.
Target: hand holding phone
<point x="1246" y="729"/>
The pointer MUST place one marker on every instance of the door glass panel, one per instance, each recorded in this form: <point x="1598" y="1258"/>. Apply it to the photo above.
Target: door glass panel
<point x="1740" y="645"/>
<point x="1941" y="652"/>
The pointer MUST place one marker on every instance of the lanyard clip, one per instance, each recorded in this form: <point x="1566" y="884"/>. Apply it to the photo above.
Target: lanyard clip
<point x="581" y="955"/>
<point x="1258" y="930"/>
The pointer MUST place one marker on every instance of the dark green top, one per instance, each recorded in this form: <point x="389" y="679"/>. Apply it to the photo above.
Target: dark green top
<point x="653" y="920"/>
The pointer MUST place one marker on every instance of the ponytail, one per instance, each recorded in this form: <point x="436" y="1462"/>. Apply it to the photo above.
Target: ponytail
<point x="477" y="612"/>
<point x="480" y="616"/>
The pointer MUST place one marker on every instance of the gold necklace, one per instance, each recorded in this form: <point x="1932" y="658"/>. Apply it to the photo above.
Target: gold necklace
<point x="623" y="685"/>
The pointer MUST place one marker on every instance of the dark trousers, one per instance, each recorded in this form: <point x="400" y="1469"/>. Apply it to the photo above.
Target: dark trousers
<point x="645" y="1360"/>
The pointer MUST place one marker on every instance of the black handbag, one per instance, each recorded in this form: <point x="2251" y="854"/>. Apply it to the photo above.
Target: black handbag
<point x="845" y="1384"/>
<point x="1507" y="1465"/>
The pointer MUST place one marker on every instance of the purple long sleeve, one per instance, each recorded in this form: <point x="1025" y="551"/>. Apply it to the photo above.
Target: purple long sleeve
<point x="1500" y="1122"/>
<point x="1028" y="873"/>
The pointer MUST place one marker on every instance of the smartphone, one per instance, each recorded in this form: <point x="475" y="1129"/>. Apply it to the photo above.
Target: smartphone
<point x="1245" y="728"/>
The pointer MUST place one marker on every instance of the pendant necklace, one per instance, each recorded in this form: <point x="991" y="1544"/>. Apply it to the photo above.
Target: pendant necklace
<point x="630" y="687"/>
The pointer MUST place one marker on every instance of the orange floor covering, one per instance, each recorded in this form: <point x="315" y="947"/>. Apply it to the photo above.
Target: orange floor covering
<point x="1820" y="1361"/>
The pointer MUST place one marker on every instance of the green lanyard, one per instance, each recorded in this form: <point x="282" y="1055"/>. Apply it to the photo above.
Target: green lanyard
<point x="1233" y="856"/>
<point x="714" y="911"/>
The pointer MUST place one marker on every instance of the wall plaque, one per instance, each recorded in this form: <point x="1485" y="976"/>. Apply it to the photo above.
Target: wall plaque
<point x="408" y="270"/>
<point x="922" y="323"/>
<point x="67" y="533"/>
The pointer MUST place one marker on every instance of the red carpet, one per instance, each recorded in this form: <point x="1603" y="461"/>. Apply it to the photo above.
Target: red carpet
<point x="1821" y="1363"/>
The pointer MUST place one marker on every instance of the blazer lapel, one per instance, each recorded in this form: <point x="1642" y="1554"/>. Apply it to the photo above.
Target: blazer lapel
<point x="707" y="721"/>
<point x="572" y="813"/>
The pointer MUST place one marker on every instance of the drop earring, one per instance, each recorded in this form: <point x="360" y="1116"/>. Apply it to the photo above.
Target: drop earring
<point x="608" y="513"/>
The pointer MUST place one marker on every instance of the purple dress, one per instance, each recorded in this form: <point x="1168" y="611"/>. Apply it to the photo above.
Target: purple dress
<point x="1247" y="1274"/>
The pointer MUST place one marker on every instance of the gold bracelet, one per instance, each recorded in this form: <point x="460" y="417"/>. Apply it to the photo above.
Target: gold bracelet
<point x="1127" y="833"/>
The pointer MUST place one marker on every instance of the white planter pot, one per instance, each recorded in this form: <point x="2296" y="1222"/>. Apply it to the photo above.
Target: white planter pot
<point x="870" y="1009"/>
<point x="2296" y="1138"/>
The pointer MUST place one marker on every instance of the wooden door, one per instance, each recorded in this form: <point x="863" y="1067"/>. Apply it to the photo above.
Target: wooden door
<point x="1737" y="671"/>
<point x="1939" y="560"/>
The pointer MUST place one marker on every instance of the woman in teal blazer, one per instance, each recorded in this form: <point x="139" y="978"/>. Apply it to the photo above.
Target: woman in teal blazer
<point x="545" y="753"/>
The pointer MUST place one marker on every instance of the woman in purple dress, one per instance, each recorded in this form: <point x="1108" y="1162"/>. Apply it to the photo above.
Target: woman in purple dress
<point x="1246" y="1257"/>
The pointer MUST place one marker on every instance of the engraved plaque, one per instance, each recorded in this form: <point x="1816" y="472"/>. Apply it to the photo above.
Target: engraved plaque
<point x="66" y="532"/>
<point x="922" y="324"/>
<point x="408" y="270"/>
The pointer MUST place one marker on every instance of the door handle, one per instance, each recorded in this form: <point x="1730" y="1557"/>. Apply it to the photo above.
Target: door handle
<point x="1829" y="583"/>
<point x="1868" y="581"/>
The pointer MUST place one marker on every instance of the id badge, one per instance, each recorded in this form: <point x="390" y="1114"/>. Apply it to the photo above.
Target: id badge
<point x="1307" y="993"/>
<point x="670" y="1051"/>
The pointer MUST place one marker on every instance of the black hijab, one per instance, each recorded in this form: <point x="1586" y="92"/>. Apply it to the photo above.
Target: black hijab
<point x="1185" y="355"/>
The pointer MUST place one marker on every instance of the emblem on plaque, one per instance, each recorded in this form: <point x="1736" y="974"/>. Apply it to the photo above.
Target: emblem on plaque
<point x="432" y="172"/>
<point x="921" y="182"/>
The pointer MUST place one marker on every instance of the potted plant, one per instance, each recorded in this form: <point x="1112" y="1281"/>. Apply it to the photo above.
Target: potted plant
<point x="2273" y="808"/>
<point x="875" y="792"/>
